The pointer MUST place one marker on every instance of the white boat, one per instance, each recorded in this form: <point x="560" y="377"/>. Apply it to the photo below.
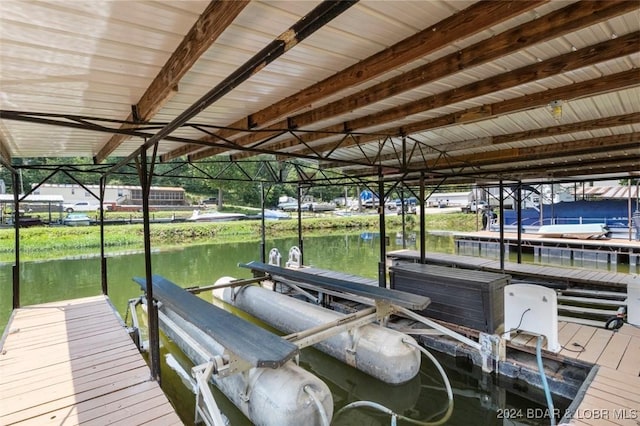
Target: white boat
<point x="76" y="219"/>
<point x="274" y="215"/>
<point x="215" y="216"/>
<point x="587" y="231"/>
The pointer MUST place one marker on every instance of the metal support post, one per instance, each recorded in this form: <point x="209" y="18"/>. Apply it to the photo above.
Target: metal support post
<point x="423" y="243"/>
<point x="263" y="242"/>
<point x="404" y="224"/>
<point x="152" y="308"/>
<point x="501" y="222"/>
<point x="16" y="227"/>
<point x="382" y="270"/>
<point x="300" y="243"/>
<point x="519" y="220"/>
<point x="103" y="259"/>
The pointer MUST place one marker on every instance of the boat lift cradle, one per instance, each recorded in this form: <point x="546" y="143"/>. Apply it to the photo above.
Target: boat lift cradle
<point x="245" y="346"/>
<point x="384" y="302"/>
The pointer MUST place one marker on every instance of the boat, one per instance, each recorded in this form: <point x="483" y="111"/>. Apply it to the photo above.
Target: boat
<point x="612" y="213"/>
<point x="319" y="207"/>
<point x="588" y="231"/>
<point x="271" y="215"/>
<point x="77" y="219"/>
<point x="215" y="217"/>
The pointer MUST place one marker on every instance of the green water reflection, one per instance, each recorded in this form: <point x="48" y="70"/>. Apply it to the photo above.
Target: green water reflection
<point x="193" y="265"/>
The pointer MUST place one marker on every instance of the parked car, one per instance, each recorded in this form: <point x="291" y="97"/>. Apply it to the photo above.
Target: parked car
<point x="81" y="206"/>
<point x="474" y="207"/>
<point x="212" y="200"/>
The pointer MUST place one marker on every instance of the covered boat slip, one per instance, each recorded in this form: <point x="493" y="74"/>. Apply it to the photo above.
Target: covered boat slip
<point x="73" y="362"/>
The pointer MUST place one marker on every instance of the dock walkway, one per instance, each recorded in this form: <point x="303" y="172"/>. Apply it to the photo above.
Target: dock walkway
<point x="569" y="276"/>
<point x="608" y="251"/>
<point x="613" y="397"/>
<point x="72" y="362"/>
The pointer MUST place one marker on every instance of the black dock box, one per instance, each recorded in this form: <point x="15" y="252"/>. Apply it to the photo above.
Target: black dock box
<point x="465" y="297"/>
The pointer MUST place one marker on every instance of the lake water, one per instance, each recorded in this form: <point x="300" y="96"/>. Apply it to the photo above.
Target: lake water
<point x="478" y="397"/>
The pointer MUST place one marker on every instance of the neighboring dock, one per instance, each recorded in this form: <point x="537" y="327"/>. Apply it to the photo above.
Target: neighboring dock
<point x="72" y="362"/>
<point x="566" y="275"/>
<point x="561" y="251"/>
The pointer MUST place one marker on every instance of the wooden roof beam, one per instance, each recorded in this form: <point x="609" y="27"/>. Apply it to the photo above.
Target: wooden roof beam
<point x="206" y="30"/>
<point x="5" y="153"/>
<point x="595" y="167"/>
<point x="570" y="170"/>
<point x="618" y="161"/>
<point x="438" y="150"/>
<point x="583" y="57"/>
<point x="317" y="18"/>
<point x="476" y="18"/>
<point x="610" y="49"/>
<point x="602" y="145"/>
<point x="553" y="25"/>
<point x="594" y="87"/>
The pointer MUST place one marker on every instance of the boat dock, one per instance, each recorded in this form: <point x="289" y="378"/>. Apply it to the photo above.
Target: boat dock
<point x="73" y="362"/>
<point x="612" y="397"/>
<point x="611" y="393"/>
<point x="564" y="275"/>
<point x="561" y="251"/>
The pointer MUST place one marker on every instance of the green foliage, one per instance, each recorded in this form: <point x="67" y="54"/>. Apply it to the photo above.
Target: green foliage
<point x="53" y="242"/>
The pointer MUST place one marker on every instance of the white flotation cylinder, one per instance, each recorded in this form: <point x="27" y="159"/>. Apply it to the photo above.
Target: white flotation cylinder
<point x="373" y="349"/>
<point x="268" y="397"/>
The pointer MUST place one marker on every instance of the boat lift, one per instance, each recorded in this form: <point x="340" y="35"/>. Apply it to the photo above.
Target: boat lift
<point x="241" y="349"/>
<point x="383" y="303"/>
<point x="253" y="367"/>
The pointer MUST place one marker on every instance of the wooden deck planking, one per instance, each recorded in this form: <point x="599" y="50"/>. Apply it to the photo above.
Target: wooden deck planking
<point x="72" y="362"/>
<point x="61" y="368"/>
<point x="613" y="353"/>
<point x="28" y="339"/>
<point x="566" y="333"/>
<point x="629" y="330"/>
<point x="595" y="346"/>
<point x="575" y="274"/>
<point x="613" y="397"/>
<point x="91" y="373"/>
<point x="594" y="409"/>
<point x="630" y="362"/>
<point x="615" y="390"/>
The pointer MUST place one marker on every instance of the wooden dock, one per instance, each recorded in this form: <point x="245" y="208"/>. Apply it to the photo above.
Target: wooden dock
<point x="613" y="396"/>
<point x="72" y="362"/>
<point x="566" y="275"/>
<point x="561" y="251"/>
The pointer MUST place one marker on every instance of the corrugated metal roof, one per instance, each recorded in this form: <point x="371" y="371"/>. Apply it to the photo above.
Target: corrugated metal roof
<point x="98" y="58"/>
